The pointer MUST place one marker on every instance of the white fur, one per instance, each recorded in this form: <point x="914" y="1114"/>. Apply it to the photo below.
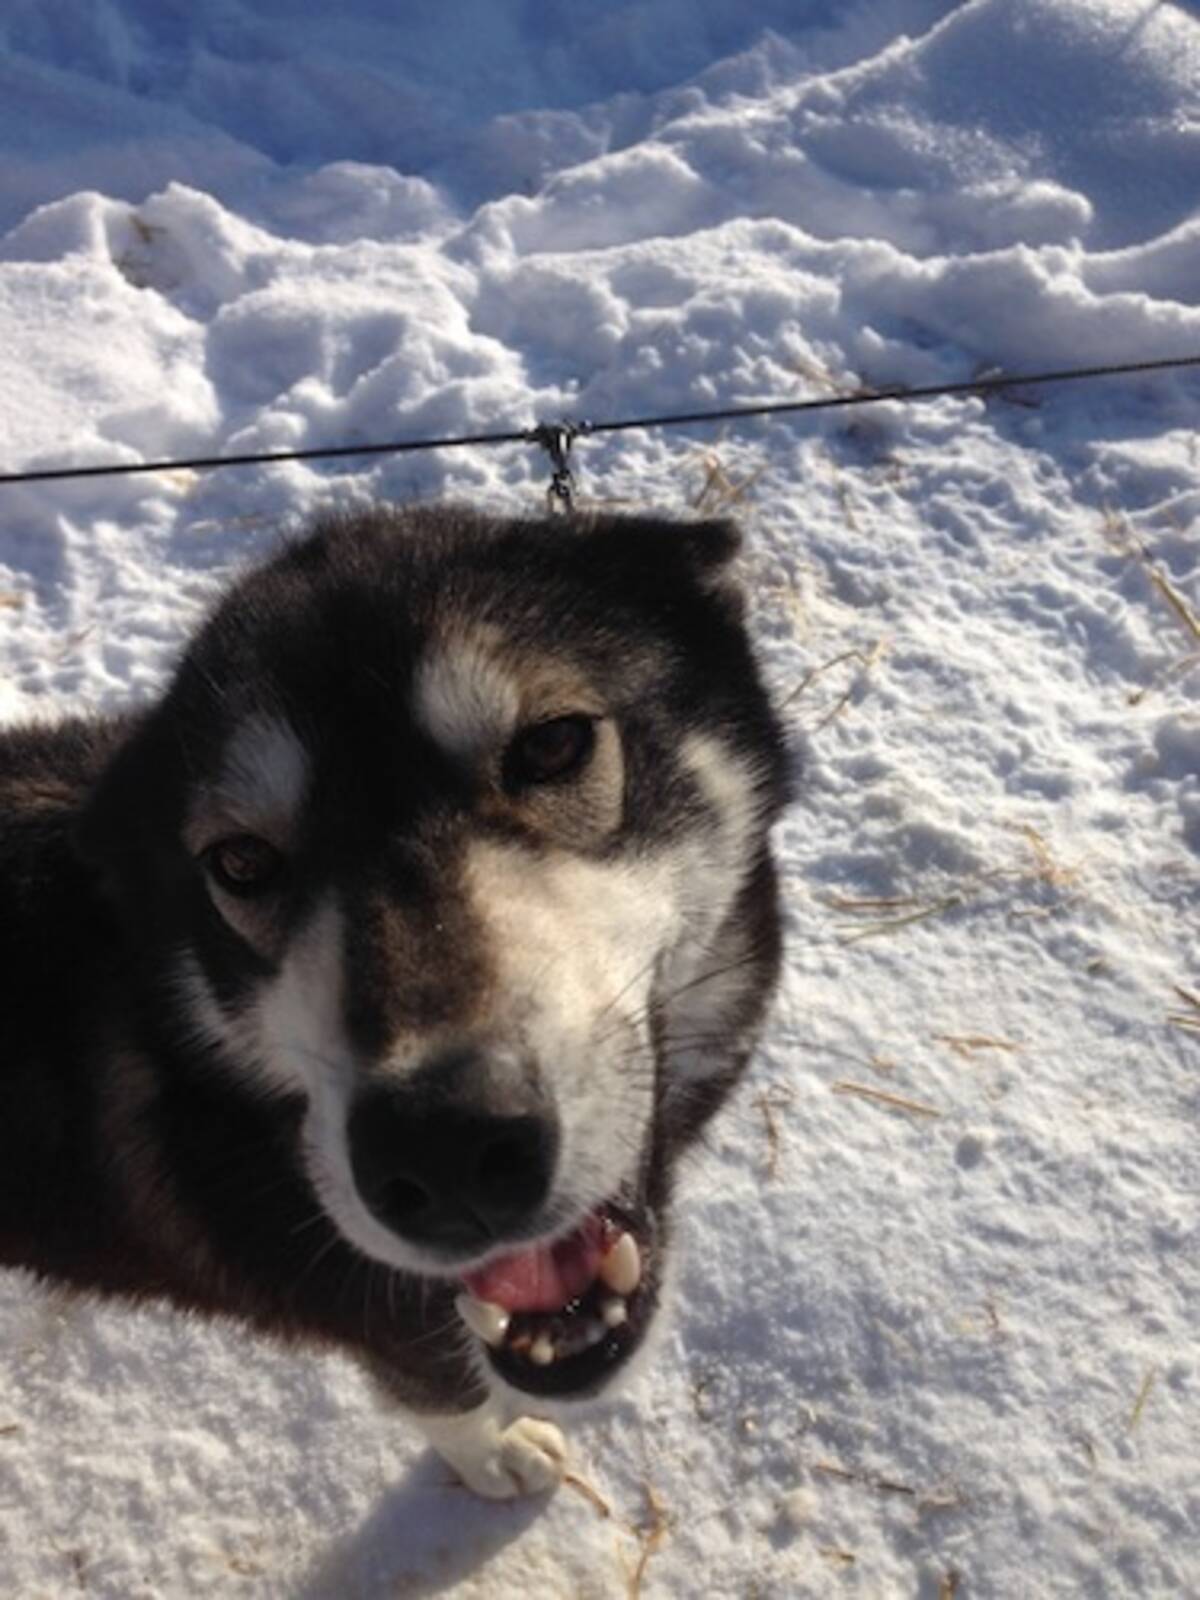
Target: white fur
<point x="575" y="944"/>
<point x="464" y="699"/>
<point x="299" y="1020"/>
<point x="265" y="769"/>
<point x="234" y="1034"/>
<point x="710" y="870"/>
<point x="261" y="786"/>
<point x="494" y="1459"/>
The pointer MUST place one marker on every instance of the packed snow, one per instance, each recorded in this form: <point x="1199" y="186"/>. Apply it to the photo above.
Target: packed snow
<point x="936" y="1330"/>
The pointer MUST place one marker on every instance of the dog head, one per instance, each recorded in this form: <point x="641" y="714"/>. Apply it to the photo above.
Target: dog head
<point x="454" y="830"/>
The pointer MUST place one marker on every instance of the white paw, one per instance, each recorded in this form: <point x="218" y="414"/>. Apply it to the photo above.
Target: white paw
<point x="528" y="1457"/>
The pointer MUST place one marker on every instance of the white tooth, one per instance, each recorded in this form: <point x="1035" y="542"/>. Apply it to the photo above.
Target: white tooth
<point x="614" y="1313"/>
<point x="489" y="1321"/>
<point x="541" y="1351"/>
<point x="582" y="1335"/>
<point x="621" y="1268"/>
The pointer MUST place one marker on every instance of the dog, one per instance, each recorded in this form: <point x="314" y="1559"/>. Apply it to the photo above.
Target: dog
<point x="369" y="987"/>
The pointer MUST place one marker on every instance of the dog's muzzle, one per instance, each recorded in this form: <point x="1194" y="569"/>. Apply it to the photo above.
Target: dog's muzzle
<point x="458" y="1155"/>
<point x="458" y="1158"/>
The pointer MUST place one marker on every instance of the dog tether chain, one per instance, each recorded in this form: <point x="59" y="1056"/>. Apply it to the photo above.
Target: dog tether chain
<point x="556" y="438"/>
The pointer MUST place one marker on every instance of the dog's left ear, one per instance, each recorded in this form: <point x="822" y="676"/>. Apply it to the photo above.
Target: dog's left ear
<point x="709" y="549"/>
<point x="703" y="552"/>
<point x="710" y="545"/>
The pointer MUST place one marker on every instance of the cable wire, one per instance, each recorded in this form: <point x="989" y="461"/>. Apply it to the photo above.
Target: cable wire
<point x="538" y="435"/>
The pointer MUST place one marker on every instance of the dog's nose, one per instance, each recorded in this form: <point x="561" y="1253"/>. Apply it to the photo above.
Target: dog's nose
<point x="459" y="1154"/>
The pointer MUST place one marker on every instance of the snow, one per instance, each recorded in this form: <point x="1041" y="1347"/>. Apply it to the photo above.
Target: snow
<point x="907" y="1346"/>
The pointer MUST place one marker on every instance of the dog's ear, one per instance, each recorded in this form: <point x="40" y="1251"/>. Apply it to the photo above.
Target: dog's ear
<point x="701" y="552"/>
<point x="708" y="551"/>
<point x="705" y="547"/>
<point x="711" y="546"/>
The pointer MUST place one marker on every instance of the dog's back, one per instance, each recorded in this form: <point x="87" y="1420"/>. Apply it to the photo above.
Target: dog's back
<point x="53" y="927"/>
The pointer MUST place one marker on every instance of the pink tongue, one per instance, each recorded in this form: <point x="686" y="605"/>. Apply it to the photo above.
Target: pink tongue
<point x="546" y="1277"/>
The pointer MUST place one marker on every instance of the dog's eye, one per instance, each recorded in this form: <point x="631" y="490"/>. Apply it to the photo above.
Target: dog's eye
<point x="243" y="865"/>
<point x="549" y="750"/>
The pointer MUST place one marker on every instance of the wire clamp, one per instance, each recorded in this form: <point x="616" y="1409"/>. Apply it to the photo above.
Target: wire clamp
<point x="556" y="438"/>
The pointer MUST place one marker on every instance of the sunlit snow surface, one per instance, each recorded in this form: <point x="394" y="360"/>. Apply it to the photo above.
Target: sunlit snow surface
<point x="909" y="1348"/>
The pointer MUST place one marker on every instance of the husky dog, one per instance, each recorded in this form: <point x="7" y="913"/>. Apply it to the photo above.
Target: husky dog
<point x="369" y="986"/>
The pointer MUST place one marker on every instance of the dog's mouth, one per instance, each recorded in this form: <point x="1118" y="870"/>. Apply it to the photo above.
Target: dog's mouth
<point x="557" y="1317"/>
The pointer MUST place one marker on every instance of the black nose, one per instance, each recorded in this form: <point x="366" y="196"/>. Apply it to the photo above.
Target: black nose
<point x="457" y="1155"/>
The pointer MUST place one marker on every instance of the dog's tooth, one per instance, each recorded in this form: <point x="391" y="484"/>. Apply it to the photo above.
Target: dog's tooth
<point x="614" y="1312"/>
<point x="581" y="1335"/>
<point x="541" y="1351"/>
<point x="621" y="1268"/>
<point x="489" y="1321"/>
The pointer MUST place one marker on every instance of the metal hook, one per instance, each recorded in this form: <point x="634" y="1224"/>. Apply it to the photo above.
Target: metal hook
<point x="556" y="438"/>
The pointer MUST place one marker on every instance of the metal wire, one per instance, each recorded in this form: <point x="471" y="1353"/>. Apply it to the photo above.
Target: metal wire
<point x="543" y="433"/>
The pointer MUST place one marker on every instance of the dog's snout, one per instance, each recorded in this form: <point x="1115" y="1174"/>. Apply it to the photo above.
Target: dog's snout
<point x="458" y="1156"/>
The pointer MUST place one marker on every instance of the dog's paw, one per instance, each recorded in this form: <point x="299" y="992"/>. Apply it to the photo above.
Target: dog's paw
<point x="528" y="1458"/>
